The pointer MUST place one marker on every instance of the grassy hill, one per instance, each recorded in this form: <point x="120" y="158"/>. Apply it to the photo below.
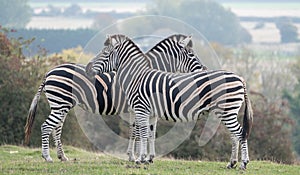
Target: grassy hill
<point x="20" y="160"/>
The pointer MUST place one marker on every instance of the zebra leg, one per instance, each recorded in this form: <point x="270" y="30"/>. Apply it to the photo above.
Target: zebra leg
<point x="234" y="153"/>
<point x="46" y="130"/>
<point x="132" y="137"/>
<point x="152" y="132"/>
<point x="232" y="124"/>
<point x="244" y="154"/>
<point x="137" y="142"/>
<point x="57" y="139"/>
<point x="142" y="125"/>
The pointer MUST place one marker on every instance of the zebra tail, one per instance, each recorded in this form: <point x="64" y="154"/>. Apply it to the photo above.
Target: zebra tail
<point x="248" y="117"/>
<point x="32" y="112"/>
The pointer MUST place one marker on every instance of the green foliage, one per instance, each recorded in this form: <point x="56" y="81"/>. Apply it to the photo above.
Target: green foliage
<point x="293" y="98"/>
<point x="20" y="78"/>
<point x="14" y="13"/>
<point x="75" y="55"/>
<point x="217" y="149"/>
<point x="20" y="160"/>
<point x="17" y="77"/>
<point x="271" y="111"/>
<point x="209" y="17"/>
<point x="272" y="131"/>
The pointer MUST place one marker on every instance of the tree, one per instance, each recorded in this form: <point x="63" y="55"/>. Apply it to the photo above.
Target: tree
<point x="294" y="102"/>
<point x="73" y="10"/>
<point x="14" y="13"/>
<point x="272" y="130"/>
<point x="288" y="31"/>
<point x="16" y="81"/>
<point x="51" y="11"/>
<point x="102" y="20"/>
<point x="209" y="17"/>
<point x="20" y="77"/>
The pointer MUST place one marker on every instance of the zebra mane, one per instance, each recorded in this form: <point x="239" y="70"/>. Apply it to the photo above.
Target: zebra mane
<point x="178" y="38"/>
<point x="114" y="39"/>
<point x="117" y="39"/>
<point x="174" y="38"/>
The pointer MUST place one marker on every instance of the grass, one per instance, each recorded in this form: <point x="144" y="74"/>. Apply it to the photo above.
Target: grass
<point x="21" y="160"/>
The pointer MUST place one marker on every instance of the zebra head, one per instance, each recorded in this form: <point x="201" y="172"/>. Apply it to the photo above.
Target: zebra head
<point x="188" y="59"/>
<point x="106" y="60"/>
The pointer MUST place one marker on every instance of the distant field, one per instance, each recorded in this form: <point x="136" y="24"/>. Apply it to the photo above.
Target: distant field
<point x="20" y="160"/>
<point x="267" y="34"/>
<point x="44" y="22"/>
<point x="264" y="9"/>
<point x="94" y="6"/>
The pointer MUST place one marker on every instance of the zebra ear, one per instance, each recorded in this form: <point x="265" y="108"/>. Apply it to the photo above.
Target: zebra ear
<point x="187" y="42"/>
<point x="110" y="40"/>
<point x="114" y="41"/>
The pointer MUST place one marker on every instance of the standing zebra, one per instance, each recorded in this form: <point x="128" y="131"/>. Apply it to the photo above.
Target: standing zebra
<point x="176" y="96"/>
<point x="68" y="85"/>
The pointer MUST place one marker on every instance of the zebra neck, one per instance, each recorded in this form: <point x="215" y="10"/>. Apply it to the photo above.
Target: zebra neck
<point x="132" y="63"/>
<point x="164" y="63"/>
<point x="129" y="75"/>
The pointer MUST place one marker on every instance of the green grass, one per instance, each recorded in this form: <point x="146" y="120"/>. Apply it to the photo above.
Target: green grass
<point x="21" y="160"/>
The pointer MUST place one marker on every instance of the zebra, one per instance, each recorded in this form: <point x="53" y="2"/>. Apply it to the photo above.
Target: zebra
<point x="68" y="85"/>
<point x="176" y="96"/>
<point x="178" y="56"/>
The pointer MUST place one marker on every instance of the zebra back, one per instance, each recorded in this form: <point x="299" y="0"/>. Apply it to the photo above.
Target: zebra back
<point x="172" y="54"/>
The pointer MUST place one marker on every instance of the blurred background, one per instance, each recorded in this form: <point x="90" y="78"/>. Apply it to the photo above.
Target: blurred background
<point x="257" y="39"/>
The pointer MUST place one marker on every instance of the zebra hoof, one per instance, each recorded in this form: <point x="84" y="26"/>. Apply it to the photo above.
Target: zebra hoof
<point x="63" y="158"/>
<point x="150" y="161"/>
<point x="151" y="158"/>
<point x="138" y="162"/>
<point x="143" y="161"/>
<point x="244" y="165"/>
<point x="131" y="158"/>
<point x="48" y="159"/>
<point x="232" y="165"/>
<point x="146" y="162"/>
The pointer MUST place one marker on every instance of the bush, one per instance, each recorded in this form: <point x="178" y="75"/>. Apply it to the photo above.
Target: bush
<point x="272" y="130"/>
<point x="20" y="77"/>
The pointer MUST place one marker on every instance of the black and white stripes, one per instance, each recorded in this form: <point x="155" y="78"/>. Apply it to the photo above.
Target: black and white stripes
<point x="68" y="85"/>
<point x="176" y="96"/>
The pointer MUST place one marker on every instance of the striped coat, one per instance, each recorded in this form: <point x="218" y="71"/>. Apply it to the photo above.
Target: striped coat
<point x="176" y="96"/>
<point x="68" y="85"/>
